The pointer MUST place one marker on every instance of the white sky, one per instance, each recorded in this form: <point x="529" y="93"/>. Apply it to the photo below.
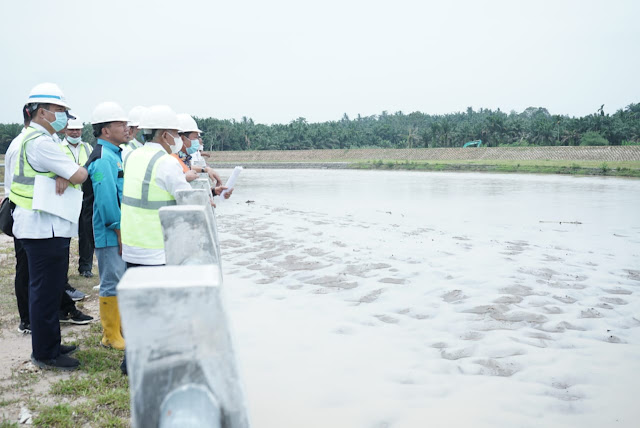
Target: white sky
<point x="278" y="60"/>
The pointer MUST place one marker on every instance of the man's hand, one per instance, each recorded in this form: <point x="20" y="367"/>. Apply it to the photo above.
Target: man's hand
<point x="218" y="190"/>
<point x="213" y="175"/>
<point x="190" y="175"/>
<point x="206" y="155"/>
<point x="61" y="185"/>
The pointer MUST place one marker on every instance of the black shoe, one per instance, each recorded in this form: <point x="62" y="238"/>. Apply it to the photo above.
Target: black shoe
<point x="86" y="274"/>
<point x="75" y="295"/>
<point x="68" y="349"/>
<point x="63" y="362"/>
<point x="75" y="317"/>
<point x="123" y="366"/>
<point x="24" y="328"/>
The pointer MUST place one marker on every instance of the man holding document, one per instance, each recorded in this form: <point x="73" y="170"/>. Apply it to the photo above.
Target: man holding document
<point x="45" y="236"/>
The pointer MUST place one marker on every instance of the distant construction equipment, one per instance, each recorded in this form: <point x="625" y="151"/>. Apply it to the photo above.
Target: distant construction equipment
<point x="477" y="143"/>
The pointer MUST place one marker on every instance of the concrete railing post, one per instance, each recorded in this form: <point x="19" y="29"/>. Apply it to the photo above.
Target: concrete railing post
<point x="180" y="358"/>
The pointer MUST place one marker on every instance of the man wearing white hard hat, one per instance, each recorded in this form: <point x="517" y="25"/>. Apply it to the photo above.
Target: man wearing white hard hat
<point x="110" y="127"/>
<point x="152" y="178"/>
<point x="45" y="236"/>
<point x="134" y="122"/>
<point x="190" y="134"/>
<point x="79" y="152"/>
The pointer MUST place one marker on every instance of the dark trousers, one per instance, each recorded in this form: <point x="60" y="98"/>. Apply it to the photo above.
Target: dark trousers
<point x="22" y="285"/>
<point x="22" y="281"/>
<point x="85" y="238"/>
<point x="48" y="265"/>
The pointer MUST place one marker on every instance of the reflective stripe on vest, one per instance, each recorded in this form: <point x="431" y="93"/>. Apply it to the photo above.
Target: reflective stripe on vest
<point x="18" y="176"/>
<point x="24" y="176"/>
<point x="133" y="144"/>
<point x="140" y="222"/>
<point x="144" y="201"/>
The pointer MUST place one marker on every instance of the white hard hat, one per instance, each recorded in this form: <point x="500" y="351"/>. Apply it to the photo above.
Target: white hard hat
<point x="47" y="93"/>
<point x="108" y="112"/>
<point x="159" y="117"/>
<point x="75" y="124"/>
<point x="187" y="124"/>
<point x="135" y="114"/>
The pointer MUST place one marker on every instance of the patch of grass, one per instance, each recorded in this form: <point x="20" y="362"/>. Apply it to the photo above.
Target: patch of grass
<point x="99" y="384"/>
<point x="7" y="424"/>
<point x="626" y="169"/>
<point x="24" y="380"/>
<point x="60" y="415"/>
<point x="4" y="403"/>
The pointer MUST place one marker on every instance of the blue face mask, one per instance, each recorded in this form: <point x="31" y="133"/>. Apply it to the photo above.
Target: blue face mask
<point x="196" y="144"/>
<point x="61" y="120"/>
<point x="191" y="150"/>
<point x="73" y="140"/>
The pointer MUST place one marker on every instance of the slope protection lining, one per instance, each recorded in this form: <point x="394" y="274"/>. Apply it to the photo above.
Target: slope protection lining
<point x="607" y="153"/>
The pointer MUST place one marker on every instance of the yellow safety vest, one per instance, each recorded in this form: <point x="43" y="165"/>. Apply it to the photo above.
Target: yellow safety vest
<point x="142" y="198"/>
<point x="83" y="155"/>
<point x="133" y="144"/>
<point x="24" y="176"/>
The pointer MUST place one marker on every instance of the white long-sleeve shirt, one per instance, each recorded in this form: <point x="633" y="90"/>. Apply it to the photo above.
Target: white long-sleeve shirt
<point x="44" y="154"/>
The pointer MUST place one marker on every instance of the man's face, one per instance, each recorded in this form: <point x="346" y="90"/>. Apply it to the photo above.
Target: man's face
<point x="133" y="131"/>
<point x="116" y="132"/>
<point x="73" y="133"/>
<point x="49" y="112"/>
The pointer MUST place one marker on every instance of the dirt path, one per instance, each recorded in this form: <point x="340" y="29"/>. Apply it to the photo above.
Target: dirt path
<point x="24" y="387"/>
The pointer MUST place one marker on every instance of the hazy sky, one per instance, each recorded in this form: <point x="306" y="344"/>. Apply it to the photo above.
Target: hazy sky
<point x="276" y="60"/>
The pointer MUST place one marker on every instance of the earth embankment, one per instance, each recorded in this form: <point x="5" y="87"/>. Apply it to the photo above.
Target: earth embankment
<point x="603" y="154"/>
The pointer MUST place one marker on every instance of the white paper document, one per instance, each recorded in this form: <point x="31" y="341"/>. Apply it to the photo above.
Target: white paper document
<point x="231" y="182"/>
<point x="67" y="205"/>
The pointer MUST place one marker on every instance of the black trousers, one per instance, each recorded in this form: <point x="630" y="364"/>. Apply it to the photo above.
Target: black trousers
<point x="48" y="266"/>
<point x="135" y="265"/>
<point x="85" y="238"/>
<point x="22" y="284"/>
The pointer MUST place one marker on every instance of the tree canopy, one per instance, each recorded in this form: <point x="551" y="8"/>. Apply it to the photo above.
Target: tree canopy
<point x="533" y="126"/>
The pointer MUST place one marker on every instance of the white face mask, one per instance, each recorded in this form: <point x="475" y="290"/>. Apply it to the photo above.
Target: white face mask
<point x="177" y="144"/>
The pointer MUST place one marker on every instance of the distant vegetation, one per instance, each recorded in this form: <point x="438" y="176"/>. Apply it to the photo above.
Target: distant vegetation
<point x="534" y="126"/>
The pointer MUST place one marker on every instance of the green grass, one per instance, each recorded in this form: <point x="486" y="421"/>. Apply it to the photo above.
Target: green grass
<point x="95" y="395"/>
<point x="99" y="387"/>
<point x="626" y="169"/>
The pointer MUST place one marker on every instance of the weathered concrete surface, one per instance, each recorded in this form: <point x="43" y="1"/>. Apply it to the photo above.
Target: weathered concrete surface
<point x="604" y="153"/>
<point x="189" y="236"/>
<point x="178" y="334"/>
<point x="202" y="197"/>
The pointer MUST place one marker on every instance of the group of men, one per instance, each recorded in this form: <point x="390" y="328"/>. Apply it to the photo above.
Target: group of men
<point x="124" y="182"/>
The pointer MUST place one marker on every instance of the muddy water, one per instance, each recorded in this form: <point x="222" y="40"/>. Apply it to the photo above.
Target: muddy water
<point x="373" y="298"/>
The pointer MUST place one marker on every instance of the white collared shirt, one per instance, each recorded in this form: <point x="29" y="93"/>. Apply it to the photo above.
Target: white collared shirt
<point x="169" y="176"/>
<point x="44" y="154"/>
<point x="75" y="150"/>
<point x="197" y="157"/>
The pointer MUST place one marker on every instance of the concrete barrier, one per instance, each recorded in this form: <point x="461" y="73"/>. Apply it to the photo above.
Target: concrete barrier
<point x="180" y="358"/>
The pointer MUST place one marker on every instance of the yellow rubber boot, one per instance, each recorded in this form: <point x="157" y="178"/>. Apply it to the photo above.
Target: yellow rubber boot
<point x="110" y="318"/>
